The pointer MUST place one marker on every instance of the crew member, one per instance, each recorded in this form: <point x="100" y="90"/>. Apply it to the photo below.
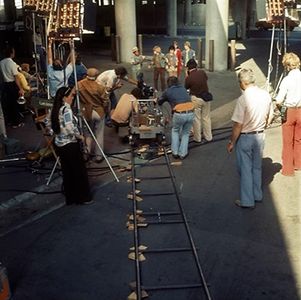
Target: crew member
<point x="94" y="100"/>
<point x="252" y="113"/>
<point x="57" y="74"/>
<point x="182" y="108"/>
<point x="67" y="137"/>
<point x="196" y="82"/>
<point x="111" y="79"/>
<point x="12" y="88"/>
<point x="126" y="104"/>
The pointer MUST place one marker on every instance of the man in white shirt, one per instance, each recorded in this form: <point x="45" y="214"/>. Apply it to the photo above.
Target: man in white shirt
<point x="252" y="113"/>
<point x="111" y="79"/>
<point x="11" y="88"/>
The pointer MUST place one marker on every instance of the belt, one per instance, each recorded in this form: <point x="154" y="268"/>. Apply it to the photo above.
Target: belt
<point x="252" y="132"/>
<point x="184" y="111"/>
<point x="294" y="107"/>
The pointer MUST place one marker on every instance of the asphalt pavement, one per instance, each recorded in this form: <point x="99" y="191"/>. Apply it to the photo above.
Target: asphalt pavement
<point x="80" y="252"/>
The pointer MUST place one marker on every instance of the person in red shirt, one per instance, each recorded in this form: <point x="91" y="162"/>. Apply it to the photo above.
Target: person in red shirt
<point x="178" y="54"/>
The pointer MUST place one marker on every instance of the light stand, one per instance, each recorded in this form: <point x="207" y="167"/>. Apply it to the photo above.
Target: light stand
<point x="81" y="117"/>
<point x="277" y="14"/>
<point x="67" y="28"/>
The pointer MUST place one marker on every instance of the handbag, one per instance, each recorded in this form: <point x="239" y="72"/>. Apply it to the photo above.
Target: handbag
<point x="283" y="113"/>
<point x="206" y="96"/>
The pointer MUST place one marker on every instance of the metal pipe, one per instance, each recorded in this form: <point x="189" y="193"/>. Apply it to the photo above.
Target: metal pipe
<point x="35" y="49"/>
<point x="200" y="52"/>
<point x="270" y="67"/>
<point x="211" y="55"/>
<point x="232" y="55"/>
<point x="140" y="43"/>
<point x="113" y="47"/>
<point x="117" y="43"/>
<point x="136" y="234"/>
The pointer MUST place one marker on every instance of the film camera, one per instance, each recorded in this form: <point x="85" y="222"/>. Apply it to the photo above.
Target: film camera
<point x="147" y="122"/>
<point x="147" y="91"/>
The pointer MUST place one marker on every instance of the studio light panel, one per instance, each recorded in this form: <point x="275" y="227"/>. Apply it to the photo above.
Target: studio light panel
<point x="45" y="6"/>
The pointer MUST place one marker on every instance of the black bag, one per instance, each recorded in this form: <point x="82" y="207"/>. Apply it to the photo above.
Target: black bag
<point x="283" y="113"/>
<point x="206" y="96"/>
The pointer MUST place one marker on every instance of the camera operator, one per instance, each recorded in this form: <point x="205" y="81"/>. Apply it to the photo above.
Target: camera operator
<point x="126" y="104"/>
<point x="183" y="115"/>
<point x="58" y="75"/>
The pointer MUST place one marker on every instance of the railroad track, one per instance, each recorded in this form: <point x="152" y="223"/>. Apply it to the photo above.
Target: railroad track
<point x="167" y="265"/>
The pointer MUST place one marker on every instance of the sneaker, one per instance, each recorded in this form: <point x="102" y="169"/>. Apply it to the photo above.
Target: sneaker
<point x="87" y="202"/>
<point x="18" y="125"/>
<point x="99" y="160"/>
<point x="175" y="156"/>
<point x="238" y="203"/>
<point x="183" y="157"/>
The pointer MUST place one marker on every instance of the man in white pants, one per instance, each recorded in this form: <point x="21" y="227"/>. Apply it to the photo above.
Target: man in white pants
<point x="196" y="82"/>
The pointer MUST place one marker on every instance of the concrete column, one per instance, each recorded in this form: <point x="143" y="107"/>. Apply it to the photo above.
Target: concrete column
<point x="125" y="19"/>
<point x="187" y="12"/>
<point x="171" y="17"/>
<point x="217" y="16"/>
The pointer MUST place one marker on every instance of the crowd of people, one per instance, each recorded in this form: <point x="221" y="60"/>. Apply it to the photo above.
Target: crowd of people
<point x="189" y="99"/>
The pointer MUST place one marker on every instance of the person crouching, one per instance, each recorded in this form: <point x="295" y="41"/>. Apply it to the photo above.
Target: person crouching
<point x="182" y="120"/>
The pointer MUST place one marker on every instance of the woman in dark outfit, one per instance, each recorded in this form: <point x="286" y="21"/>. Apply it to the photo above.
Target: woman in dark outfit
<point x="67" y="136"/>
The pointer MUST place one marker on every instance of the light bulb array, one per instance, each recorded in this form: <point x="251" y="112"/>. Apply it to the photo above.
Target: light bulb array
<point x="41" y="7"/>
<point x="66" y="23"/>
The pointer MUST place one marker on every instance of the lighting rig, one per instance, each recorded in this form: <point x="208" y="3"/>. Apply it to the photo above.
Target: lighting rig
<point x="42" y="8"/>
<point x="66" y="25"/>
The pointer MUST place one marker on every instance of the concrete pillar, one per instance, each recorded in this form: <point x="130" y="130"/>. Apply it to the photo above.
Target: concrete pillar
<point x="125" y="20"/>
<point x="187" y="12"/>
<point x="217" y="16"/>
<point x="171" y="17"/>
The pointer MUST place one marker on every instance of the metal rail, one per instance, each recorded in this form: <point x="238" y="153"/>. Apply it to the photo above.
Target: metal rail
<point x="141" y="220"/>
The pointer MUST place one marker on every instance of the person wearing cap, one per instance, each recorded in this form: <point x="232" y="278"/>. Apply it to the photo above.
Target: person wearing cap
<point x="187" y="53"/>
<point x="136" y="62"/>
<point x="159" y="64"/>
<point x="94" y="100"/>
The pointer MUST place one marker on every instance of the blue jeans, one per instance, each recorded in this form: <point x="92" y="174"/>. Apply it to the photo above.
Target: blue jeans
<point x="181" y="125"/>
<point x="249" y="150"/>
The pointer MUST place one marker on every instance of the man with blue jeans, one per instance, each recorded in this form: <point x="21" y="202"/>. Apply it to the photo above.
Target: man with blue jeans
<point x="252" y="113"/>
<point x="182" y="120"/>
